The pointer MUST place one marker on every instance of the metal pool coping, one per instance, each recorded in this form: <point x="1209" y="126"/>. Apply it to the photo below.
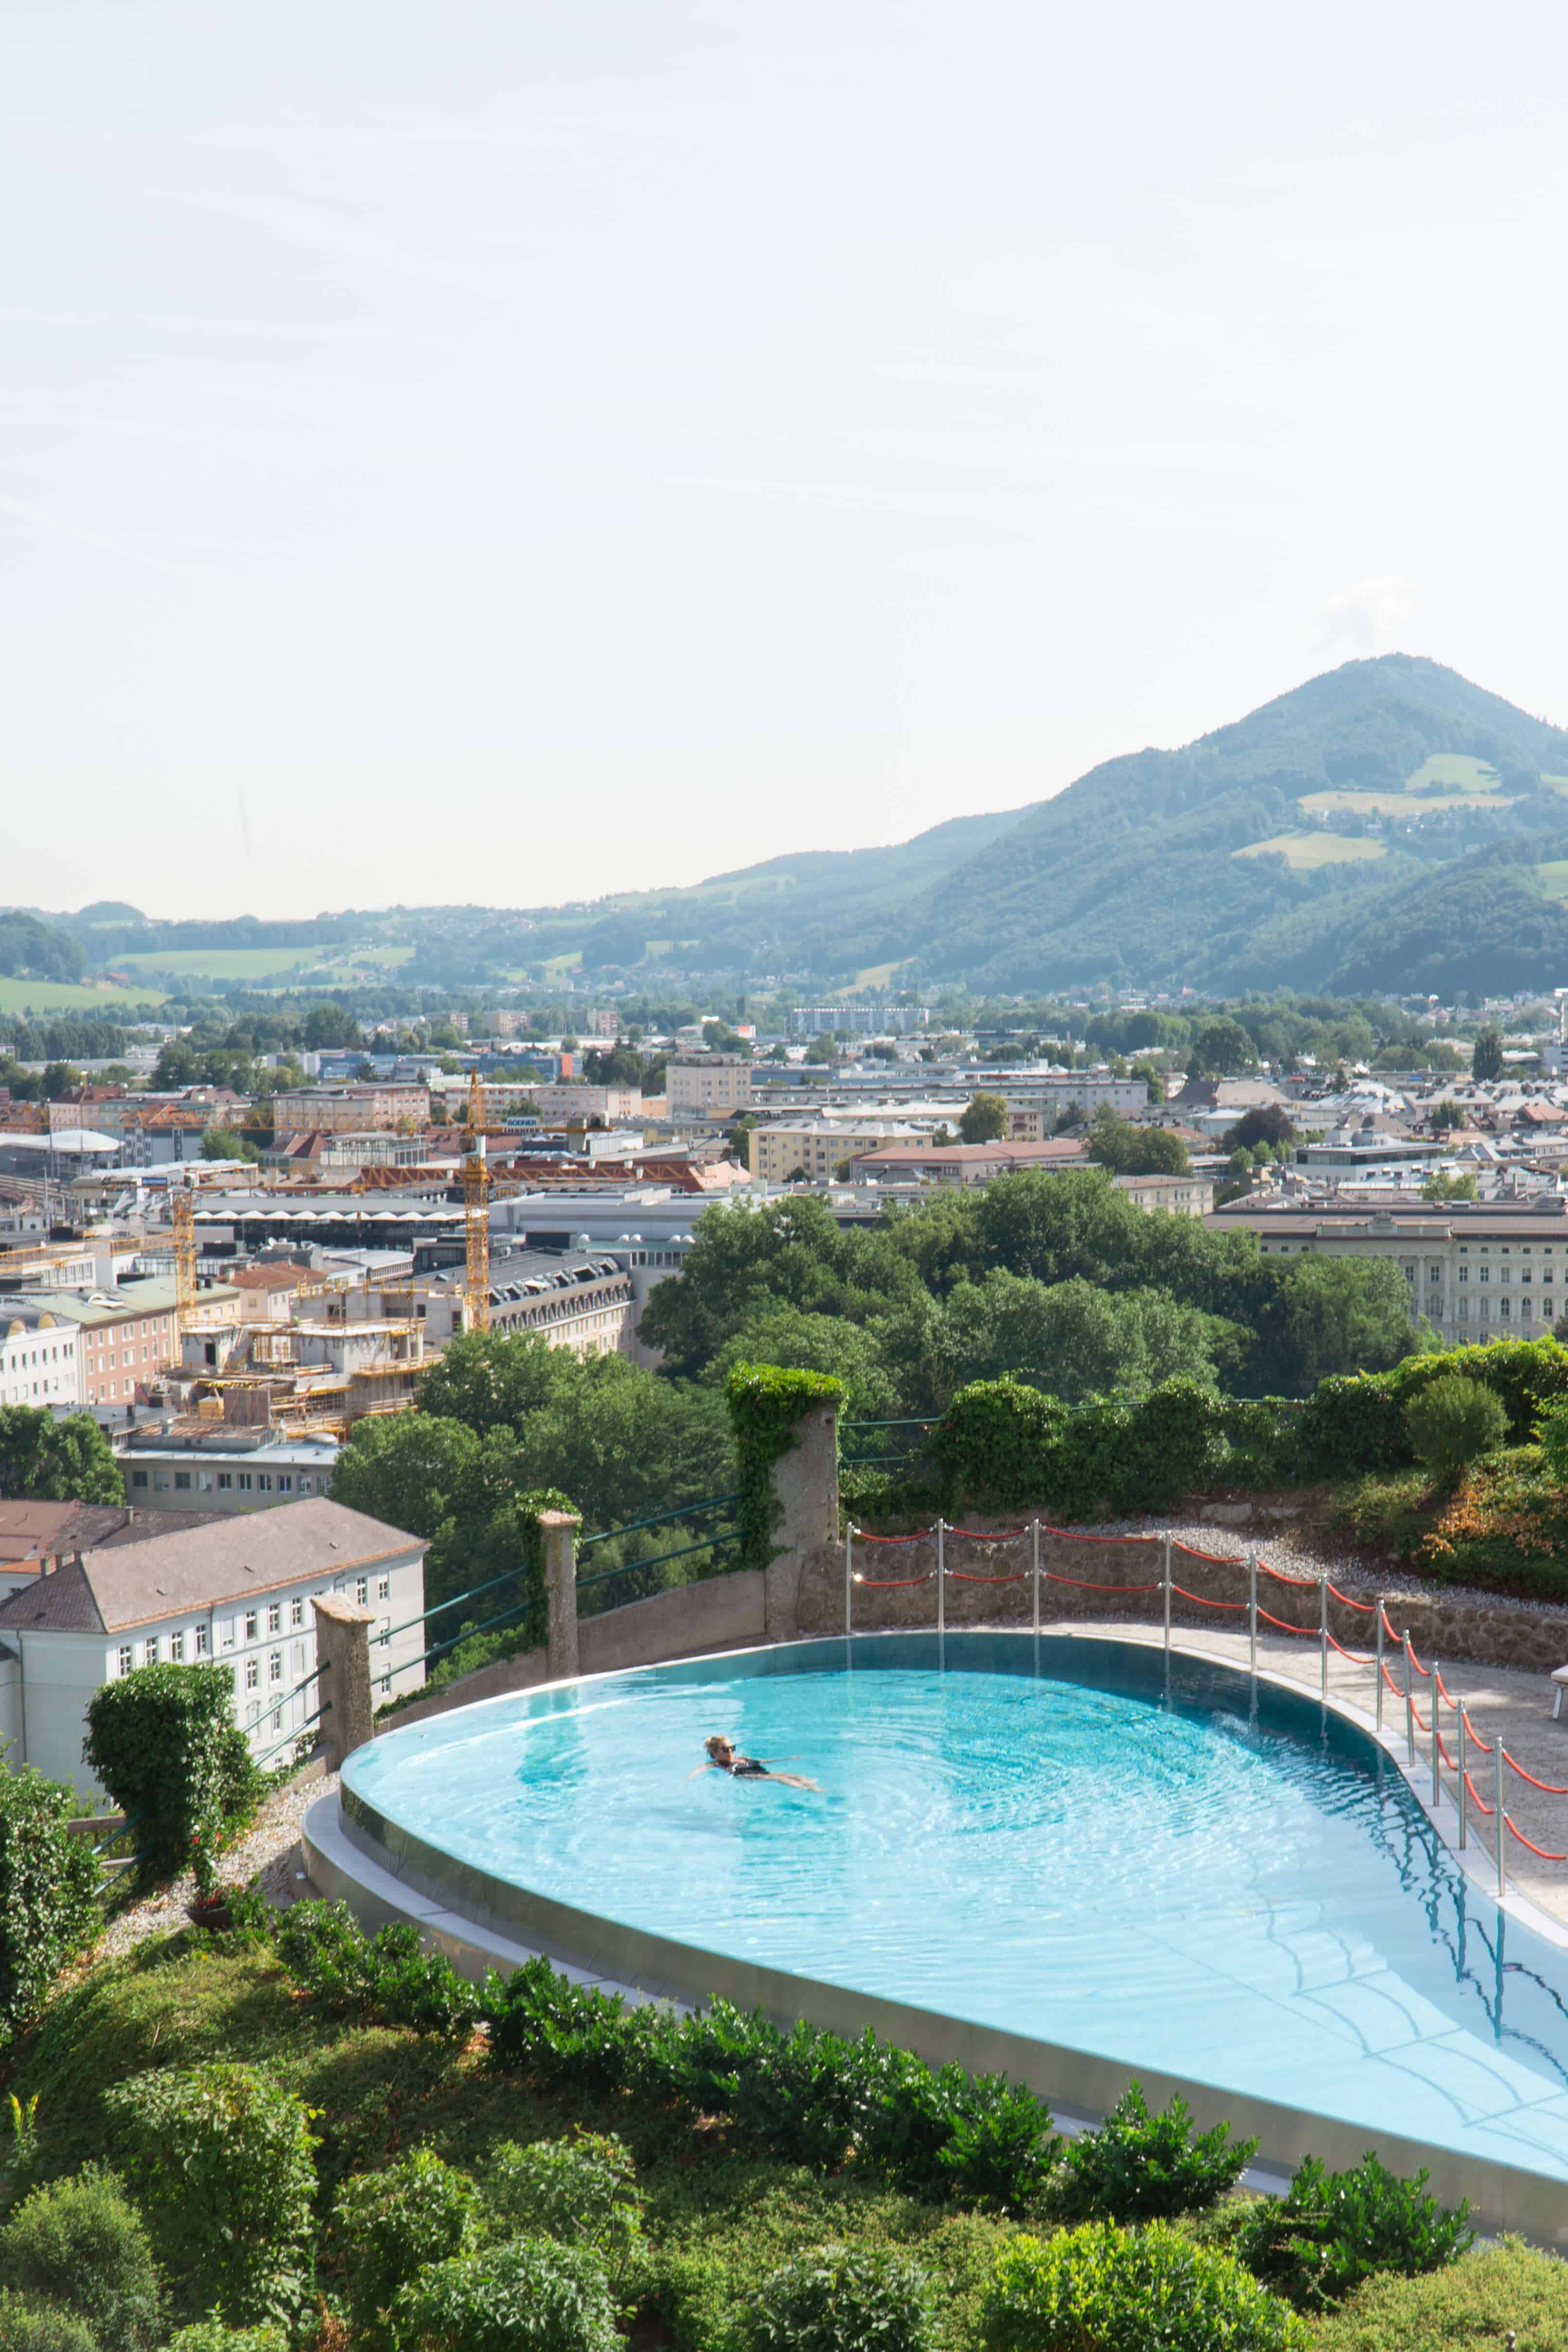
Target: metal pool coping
<point x="384" y="1873"/>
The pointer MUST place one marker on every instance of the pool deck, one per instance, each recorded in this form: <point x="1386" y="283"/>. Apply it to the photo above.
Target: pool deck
<point x="1496" y="1699"/>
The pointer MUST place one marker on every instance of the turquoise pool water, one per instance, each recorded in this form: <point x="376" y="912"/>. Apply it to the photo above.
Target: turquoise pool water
<point x="1125" y="1857"/>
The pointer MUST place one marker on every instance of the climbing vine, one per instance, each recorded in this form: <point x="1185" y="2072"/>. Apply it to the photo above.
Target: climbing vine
<point x="767" y="1405"/>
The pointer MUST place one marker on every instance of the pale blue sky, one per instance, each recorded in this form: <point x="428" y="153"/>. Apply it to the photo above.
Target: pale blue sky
<point x="510" y="453"/>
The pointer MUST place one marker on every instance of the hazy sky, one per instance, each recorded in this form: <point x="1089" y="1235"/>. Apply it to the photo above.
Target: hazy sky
<point x="509" y="452"/>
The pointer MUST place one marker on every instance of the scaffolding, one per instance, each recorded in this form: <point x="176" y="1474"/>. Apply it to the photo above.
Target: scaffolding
<point x="185" y="1221"/>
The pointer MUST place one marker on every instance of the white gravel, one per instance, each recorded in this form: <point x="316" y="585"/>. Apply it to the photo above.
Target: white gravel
<point x="269" y="1851"/>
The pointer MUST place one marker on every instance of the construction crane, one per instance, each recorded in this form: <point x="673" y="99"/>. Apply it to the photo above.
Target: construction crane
<point x="185" y="1219"/>
<point x="476" y="1214"/>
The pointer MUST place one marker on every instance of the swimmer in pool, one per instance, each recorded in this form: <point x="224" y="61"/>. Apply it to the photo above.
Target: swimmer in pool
<point x="722" y="1758"/>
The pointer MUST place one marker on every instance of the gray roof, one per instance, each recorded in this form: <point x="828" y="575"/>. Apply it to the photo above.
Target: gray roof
<point x="111" y="1588"/>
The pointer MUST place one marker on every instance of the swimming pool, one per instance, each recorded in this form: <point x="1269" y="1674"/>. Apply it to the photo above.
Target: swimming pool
<point x="1080" y="1842"/>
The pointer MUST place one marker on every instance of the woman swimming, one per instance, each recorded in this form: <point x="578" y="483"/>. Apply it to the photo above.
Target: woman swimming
<point x="723" y="1757"/>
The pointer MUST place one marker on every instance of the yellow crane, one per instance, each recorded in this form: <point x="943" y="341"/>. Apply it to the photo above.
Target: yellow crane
<point x="185" y="1221"/>
<point x="476" y="1214"/>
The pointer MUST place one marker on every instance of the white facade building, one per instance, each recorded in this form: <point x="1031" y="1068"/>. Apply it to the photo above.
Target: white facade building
<point x="41" y="1355"/>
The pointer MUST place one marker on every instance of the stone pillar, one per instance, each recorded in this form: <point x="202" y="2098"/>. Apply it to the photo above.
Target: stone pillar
<point x="806" y="1488"/>
<point x="342" y="1653"/>
<point x="559" y="1529"/>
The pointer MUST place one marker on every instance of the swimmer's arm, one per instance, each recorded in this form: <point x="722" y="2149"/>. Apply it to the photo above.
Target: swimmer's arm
<point x="708" y="1767"/>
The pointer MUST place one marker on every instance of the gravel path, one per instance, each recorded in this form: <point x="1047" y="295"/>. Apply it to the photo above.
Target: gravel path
<point x="270" y="1848"/>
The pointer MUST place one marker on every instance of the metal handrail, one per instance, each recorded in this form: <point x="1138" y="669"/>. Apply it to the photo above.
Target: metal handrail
<point x="657" y="1558"/>
<point x="290" y="1738"/>
<point x="659" y="1520"/>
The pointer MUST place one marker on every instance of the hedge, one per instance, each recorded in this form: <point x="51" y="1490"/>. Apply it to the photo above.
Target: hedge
<point x="165" y="1743"/>
<point x="48" y="1892"/>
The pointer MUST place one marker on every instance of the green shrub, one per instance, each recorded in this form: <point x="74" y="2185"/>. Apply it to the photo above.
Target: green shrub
<point x="1554" y="1445"/>
<point x="220" y="2156"/>
<point x="767" y="1406"/>
<point x="48" y="1892"/>
<point x="582" y="2190"/>
<point x="1351" y="1423"/>
<point x="1335" y="2228"/>
<point x="1473" y="2306"/>
<point x="80" y="2242"/>
<point x="163" y="1742"/>
<point x="1530" y="1375"/>
<point x="1142" y="2168"/>
<point x="1100" y="2289"/>
<point x="997" y="1443"/>
<point x="213" y="2336"/>
<point x="41" y="2326"/>
<point x="392" y="2224"/>
<point x="1451" y="1422"/>
<point x="385" y="1977"/>
<point x="842" y="2299"/>
<point x="531" y="2295"/>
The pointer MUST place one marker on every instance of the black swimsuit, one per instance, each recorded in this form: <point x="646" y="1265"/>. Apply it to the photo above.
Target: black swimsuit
<point x="746" y="1767"/>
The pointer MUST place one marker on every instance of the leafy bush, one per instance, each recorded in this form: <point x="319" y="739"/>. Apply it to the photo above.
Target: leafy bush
<point x="212" y="2336"/>
<point x="583" y="2190"/>
<point x="767" y="1406"/>
<point x="386" y="1977"/>
<point x="165" y="1743"/>
<point x="1553" y="1436"/>
<point x="48" y="1892"/>
<point x="1530" y="1375"/>
<point x="842" y="2299"/>
<point x="1100" y="2289"/>
<point x="997" y="1440"/>
<point x="1473" y="2306"/>
<point x="41" y="2326"/>
<point x="1335" y="2228"/>
<point x="393" y="2223"/>
<point x="220" y="2155"/>
<point x="806" y="2095"/>
<point x="1452" y="1422"/>
<point x="1351" y="1423"/>
<point x="531" y="2295"/>
<point x="1142" y="2168"/>
<point x="80" y="2242"/>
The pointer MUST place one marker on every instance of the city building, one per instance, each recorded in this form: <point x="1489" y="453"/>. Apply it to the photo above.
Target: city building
<point x="238" y="1591"/>
<point x="961" y="1163"/>
<point x="40" y="1354"/>
<point x="192" y="1464"/>
<point x="582" y="1301"/>
<point x="346" y="1110"/>
<point x="611" y="1104"/>
<point x="37" y="1538"/>
<point x="1480" y="1271"/>
<point x="708" y="1085"/>
<point x="818" y="1147"/>
<point x="130" y="1335"/>
<point x="857" y="1020"/>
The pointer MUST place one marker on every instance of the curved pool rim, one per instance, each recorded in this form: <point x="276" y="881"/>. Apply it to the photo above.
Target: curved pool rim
<point x="384" y="1870"/>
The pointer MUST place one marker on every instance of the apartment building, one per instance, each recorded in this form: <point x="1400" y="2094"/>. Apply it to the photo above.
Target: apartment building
<point x="611" y="1104"/>
<point x="857" y="1020"/>
<point x="818" y="1147"/>
<point x="344" y="1110"/>
<point x="1477" y="1272"/>
<point x="585" y="1303"/>
<point x="239" y="1592"/>
<point x="961" y="1163"/>
<point x="129" y="1335"/>
<point x="195" y="1464"/>
<point x="41" y="1355"/>
<point x="708" y="1085"/>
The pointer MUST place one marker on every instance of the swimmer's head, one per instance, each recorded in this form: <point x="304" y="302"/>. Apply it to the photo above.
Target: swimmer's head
<point x="718" y="1745"/>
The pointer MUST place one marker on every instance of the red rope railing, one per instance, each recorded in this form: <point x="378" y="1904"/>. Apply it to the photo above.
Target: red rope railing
<point x="1080" y="1584"/>
<point x="922" y="1535"/>
<point x="1080" y="1535"/>
<point x="1353" y="1656"/>
<point x="978" y="1535"/>
<point x="1308" y="1632"/>
<point x="1540" y="1850"/>
<point x="1474" y="1736"/>
<point x="1362" y="1608"/>
<point x="963" y="1576"/>
<point x="1475" y="1800"/>
<point x="1550" y="1786"/>
<point x="892" y="1583"/>
<point x="1302" y="1583"/>
<point x="1424" y="1672"/>
<point x="1219" y="1559"/>
<point x="1202" y="1603"/>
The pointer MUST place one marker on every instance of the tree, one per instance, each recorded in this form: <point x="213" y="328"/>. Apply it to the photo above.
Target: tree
<point x="1446" y="1114"/>
<point x="1129" y="1149"/>
<point x="1071" y="1338"/>
<point x="1452" y="1422"/>
<point x="984" y="1120"/>
<point x="1440" y="1186"/>
<point x="1341" y="1315"/>
<point x="1222" y="1049"/>
<point x="329" y="1027"/>
<point x="224" y="1143"/>
<point x="1486" y="1058"/>
<point x="43" y="1459"/>
<point x="492" y="1380"/>
<point x="814" y="1343"/>
<point x="821" y="1050"/>
<point x="1154" y="1082"/>
<point x="1267" y="1123"/>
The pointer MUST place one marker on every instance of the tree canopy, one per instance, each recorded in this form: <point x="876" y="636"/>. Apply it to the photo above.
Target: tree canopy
<point x="43" y="1459"/>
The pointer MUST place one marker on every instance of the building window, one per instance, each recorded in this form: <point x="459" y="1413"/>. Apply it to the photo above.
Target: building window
<point x="1464" y="1274"/>
<point x="150" y="1650"/>
<point x="138" y="1477"/>
<point x="275" y="1666"/>
<point x="250" y="1624"/>
<point x="361" y="1591"/>
<point x="383" y="1587"/>
<point x="127" y="1659"/>
<point x="182" y="1481"/>
<point x="201" y="1641"/>
<point x="296" y="1610"/>
<point x="1485" y="1274"/>
<point x="245" y="1480"/>
<point x="177" y="1648"/>
<point x="225" y="1481"/>
<point x="275" y="1617"/>
<point x="305" y="1482"/>
<point x="264" y="1481"/>
<point x="252" y="1674"/>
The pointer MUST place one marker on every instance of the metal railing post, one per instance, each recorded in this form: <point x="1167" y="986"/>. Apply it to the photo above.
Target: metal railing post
<point x="941" y="1580"/>
<point x="1409" y="1703"/>
<point x="1460" y="1793"/>
<point x="1252" y="1611"/>
<point x="848" y="1577"/>
<point x="1377" y="1664"/>
<point x="1501" y="1818"/>
<point x="1035" y="1529"/>
<point x="1167" y="1590"/>
<point x="1323" y="1636"/>
<point x="1437" y="1742"/>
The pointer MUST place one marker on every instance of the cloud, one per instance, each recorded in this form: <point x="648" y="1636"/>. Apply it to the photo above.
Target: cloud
<point x="1366" y="617"/>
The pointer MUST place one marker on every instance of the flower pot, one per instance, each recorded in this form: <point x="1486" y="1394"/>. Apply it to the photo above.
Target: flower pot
<point x="213" y="1913"/>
